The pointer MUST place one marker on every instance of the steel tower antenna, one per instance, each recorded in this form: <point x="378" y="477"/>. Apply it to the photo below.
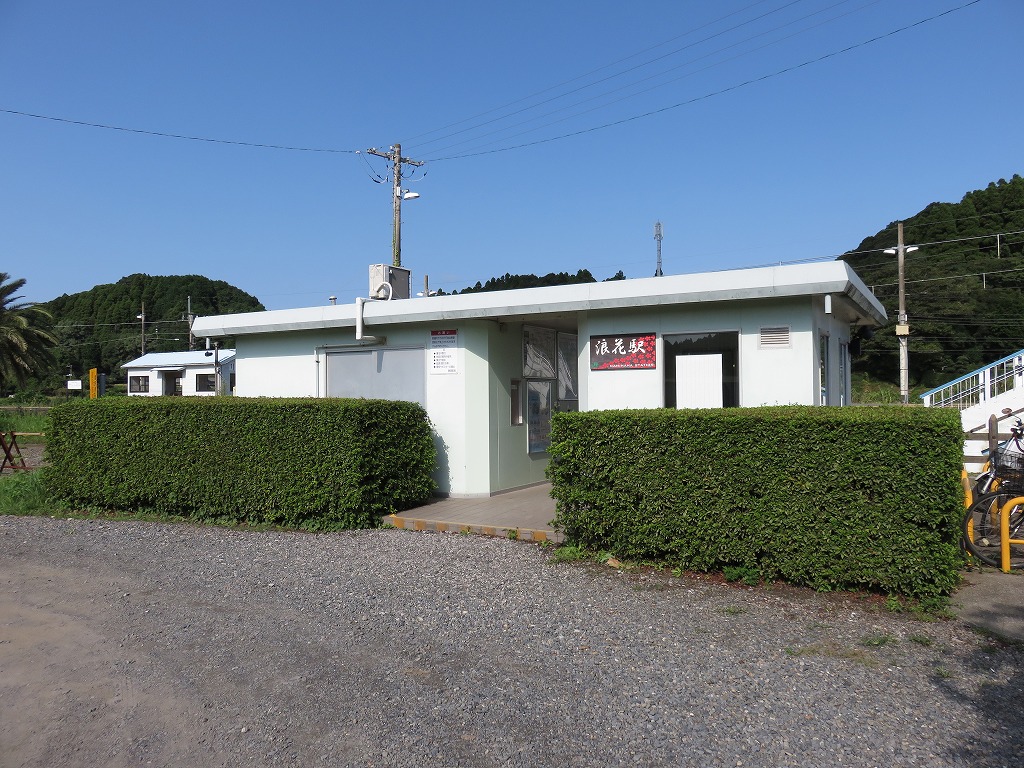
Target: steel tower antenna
<point x="657" y="236"/>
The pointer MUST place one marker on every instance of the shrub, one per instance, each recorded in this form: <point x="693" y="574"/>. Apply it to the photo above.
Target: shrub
<point x="311" y="463"/>
<point x="824" y="497"/>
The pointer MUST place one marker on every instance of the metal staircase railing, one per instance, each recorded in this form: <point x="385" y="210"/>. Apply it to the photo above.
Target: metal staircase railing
<point x="980" y="385"/>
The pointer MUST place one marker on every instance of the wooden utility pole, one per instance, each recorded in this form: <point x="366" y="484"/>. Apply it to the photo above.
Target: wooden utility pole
<point x="396" y="159"/>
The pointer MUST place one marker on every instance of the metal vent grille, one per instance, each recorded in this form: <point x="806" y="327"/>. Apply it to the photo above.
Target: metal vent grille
<point x="775" y="338"/>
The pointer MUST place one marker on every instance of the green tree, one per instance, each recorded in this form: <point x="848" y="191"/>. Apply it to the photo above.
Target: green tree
<point x="26" y="340"/>
<point x="965" y="286"/>
<point x="99" y="328"/>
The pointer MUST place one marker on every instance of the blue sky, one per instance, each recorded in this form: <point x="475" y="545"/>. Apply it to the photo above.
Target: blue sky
<point x="742" y="166"/>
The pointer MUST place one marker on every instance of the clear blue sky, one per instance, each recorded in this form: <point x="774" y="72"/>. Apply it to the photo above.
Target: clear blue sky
<point x="798" y="165"/>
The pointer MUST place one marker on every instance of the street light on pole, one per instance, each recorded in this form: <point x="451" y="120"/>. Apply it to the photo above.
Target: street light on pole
<point x="902" y="323"/>
<point x="216" y="364"/>
<point x="142" y="317"/>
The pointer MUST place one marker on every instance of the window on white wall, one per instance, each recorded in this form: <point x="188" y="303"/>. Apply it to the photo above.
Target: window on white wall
<point x="542" y="379"/>
<point x="138" y="383"/>
<point x="823" y="368"/>
<point x="568" y="366"/>
<point x="206" y="382"/>
<point x="515" y="392"/>
<point x="844" y="362"/>
<point x="539" y="353"/>
<point x="538" y="415"/>
<point x="711" y="379"/>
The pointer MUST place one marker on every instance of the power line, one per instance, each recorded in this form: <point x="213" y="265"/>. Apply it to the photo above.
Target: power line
<point x="604" y="67"/>
<point x="955" y="277"/>
<point x="688" y="102"/>
<point x="115" y="325"/>
<point x="634" y="83"/>
<point x="939" y="242"/>
<point x="737" y="86"/>
<point x="165" y="135"/>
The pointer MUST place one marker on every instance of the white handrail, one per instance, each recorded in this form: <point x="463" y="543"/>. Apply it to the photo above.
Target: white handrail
<point x="980" y="385"/>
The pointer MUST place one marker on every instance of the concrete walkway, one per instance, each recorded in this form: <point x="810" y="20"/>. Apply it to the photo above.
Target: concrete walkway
<point x="990" y="600"/>
<point x="993" y="602"/>
<point x="525" y="514"/>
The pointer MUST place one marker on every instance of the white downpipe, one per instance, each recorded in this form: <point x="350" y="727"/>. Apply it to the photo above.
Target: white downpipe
<point x="316" y="359"/>
<point x="360" y="304"/>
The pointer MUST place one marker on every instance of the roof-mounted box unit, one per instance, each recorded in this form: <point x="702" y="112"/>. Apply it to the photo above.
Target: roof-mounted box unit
<point x="397" y="277"/>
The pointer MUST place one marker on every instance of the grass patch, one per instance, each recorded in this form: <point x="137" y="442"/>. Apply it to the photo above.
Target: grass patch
<point x="24" y="420"/>
<point x="569" y="553"/>
<point x="933" y="608"/>
<point x="943" y="672"/>
<point x="23" y="493"/>
<point x="877" y="641"/>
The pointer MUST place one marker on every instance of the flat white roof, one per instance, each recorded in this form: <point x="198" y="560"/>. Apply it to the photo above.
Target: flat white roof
<point x="834" y="277"/>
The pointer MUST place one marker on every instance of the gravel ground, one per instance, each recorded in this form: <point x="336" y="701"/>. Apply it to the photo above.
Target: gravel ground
<point x="32" y="453"/>
<point x="129" y="643"/>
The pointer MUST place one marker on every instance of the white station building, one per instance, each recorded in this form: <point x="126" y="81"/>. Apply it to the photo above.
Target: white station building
<point x="181" y="373"/>
<point x="491" y="367"/>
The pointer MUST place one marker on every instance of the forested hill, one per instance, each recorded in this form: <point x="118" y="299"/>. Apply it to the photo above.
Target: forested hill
<point x="964" y="286"/>
<point x="509" y="282"/>
<point x="99" y="328"/>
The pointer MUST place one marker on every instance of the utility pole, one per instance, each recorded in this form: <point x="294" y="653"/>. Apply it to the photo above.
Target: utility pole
<point x="902" y="323"/>
<point x="657" y="236"/>
<point x="396" y="160"/>
<point x="142" y="317"/>
<point x="191" y="319"/>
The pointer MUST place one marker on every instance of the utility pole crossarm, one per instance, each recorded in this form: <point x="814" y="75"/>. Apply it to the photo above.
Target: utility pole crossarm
<point x="394" y="156"/>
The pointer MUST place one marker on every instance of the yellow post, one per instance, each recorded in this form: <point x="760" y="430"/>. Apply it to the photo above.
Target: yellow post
<point x="1004" y="532"/>
<point x="94" y="389"/>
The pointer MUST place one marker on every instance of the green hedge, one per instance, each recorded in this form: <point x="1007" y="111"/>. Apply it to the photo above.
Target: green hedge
<point x="831" y="498"/>
<point x="310" y="463"/>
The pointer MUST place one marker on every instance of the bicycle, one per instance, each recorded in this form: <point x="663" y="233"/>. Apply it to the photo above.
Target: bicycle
<point x="990" y="521"/>
<point x="1001" y="461"/>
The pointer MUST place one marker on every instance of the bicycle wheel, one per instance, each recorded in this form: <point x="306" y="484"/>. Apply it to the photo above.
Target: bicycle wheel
<point x="982" y="529"/>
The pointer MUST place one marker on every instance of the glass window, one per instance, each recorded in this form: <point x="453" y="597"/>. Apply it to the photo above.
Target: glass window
<point x="823" y="368"/>
<point x="539" y="353"/>
<point x="138" y="383"/>
<point x="568" y="364"/>
<point x="844" y="389"/>
<point x="515" y="392"/>
<point x="725" y="344"/>
<point x="206" y="382"/>
<point x="538" y="414"/>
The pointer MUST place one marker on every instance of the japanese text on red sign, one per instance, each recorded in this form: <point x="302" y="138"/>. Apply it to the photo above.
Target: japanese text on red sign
<point x="628" y="351"/>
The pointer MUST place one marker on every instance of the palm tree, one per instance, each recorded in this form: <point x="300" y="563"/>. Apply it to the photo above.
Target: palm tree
<point x="26" y="342"/>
